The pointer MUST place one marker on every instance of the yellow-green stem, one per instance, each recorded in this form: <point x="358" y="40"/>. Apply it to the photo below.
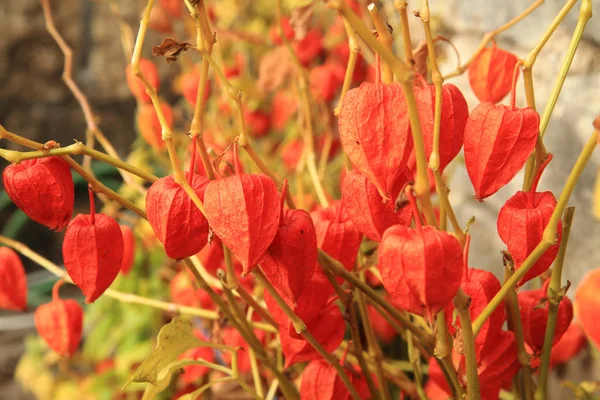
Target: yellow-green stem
<point x="585" y="13"/>
<point x="385" y="38"/>
<point x="514" y="315"/>
<point x="260" y="310"/>
<point x="528" y="62"/>
<point x="413" y="358"/>
<point x="287" y="387"/>
<point x="374" y="349"/>
<point x="328" y="263"/>
<point x="167" y="134"/>
<point x="443" y="352"/>
<point x="97" y="186"/>
<point x="305" y="104"/>
<point x="394" y="370"/>
<point x="77" y="149"/>
<point x="356" y="342"/>
<point x="553" y="289"/>
<point x="92" y="130"/>
<point x="462" y="302"/>
<point x="434" y="159"/>
<point x="231" y="280"/>
<point x="402" y="6"/>
<point x="110" y="150"/>
<point x="258" y="387"/>
<point x="443" y="342"/>
<point x="353" y="56"/>
<point x="123" y="297"/>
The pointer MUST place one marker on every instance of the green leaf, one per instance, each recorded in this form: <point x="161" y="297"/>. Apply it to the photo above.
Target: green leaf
<point x="5" y="201"/>
<point x="15" y="223"/>
<point x="164" y="379"/>
<point x="173" y="339"/>
<point x="165" y="376"/>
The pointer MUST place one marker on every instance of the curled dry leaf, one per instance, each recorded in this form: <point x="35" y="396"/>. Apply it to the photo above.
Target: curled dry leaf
<point x="274" y="70"/>
<point x="171" y="49"/>
<point x="420" y="55"/>
<point x="300" y="20"/>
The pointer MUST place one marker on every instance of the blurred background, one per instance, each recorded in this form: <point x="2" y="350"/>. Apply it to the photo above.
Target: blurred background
<point x="35" y="103"/>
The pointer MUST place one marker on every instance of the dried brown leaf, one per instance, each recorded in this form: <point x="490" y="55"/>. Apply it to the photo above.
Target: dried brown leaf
<point x="420" y="54"/>
<point x="300" y="20"/>
<point x="275" y="69"/>
<point x="171" y="49"/>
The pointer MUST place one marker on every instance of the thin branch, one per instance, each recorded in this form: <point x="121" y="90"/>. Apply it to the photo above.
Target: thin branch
<point x="553" y="289"/>
<point x="488" y="37"/>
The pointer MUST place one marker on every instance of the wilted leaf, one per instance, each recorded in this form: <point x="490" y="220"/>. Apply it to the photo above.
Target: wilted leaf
<point x="171" y="49"/>
<point x="420" y="54"/>
<point x="173" y="339"/>
<point x="300" y="19"/>
<point x="275" y="69"/>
